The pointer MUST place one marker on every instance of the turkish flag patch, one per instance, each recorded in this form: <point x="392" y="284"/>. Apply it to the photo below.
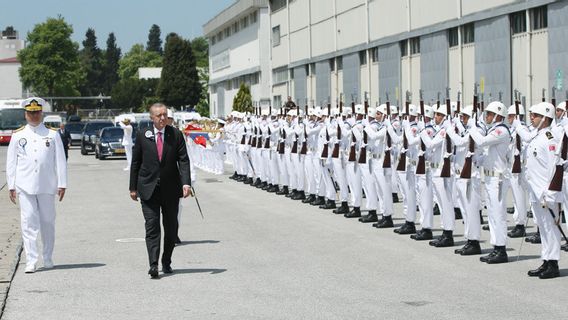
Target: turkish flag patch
<point x="551" y="147"/>
<point x="498" y="132"/>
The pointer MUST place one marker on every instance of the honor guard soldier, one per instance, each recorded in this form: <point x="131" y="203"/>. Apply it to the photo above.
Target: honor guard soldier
<point x="36" y="172"/>
<point x="353" y="169"/>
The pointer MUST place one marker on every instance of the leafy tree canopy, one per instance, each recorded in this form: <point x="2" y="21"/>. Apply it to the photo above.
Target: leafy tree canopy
<point x="242" y="102"/>
<point x="136" y="58"/>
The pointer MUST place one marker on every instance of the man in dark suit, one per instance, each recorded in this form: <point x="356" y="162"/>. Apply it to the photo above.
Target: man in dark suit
<point x="65" y="139"/>
<point x="159" y="175"/>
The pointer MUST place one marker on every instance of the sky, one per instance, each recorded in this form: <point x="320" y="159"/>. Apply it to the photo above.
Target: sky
<point x="130" y="20"/>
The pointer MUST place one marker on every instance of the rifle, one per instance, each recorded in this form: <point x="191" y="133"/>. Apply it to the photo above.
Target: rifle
<point x="259" y="140"/>
<point x="421" y="165"/>
<point x="325" y="151"/>
<point x="295" y="145"/>
<point x="252" y="140"/>
<point x="553" y="99"/>
<point x="353" y="108"/>
<point x="335" y="153"/>
<point x="402" y="159"/>
<point x="446" y="167"/>
<point x="243" y="139"/>
<point x="304" y="149"/>
<point x="267" y="141"/>
<point x="281" y="144"/>
<point x="556" y="182"/>
<point x="543" y="95"/>
<point x="363" y="152"/>
<point x="387" y="160"/>
<point x="517" y="158"/>
<point x="466" y="170"/>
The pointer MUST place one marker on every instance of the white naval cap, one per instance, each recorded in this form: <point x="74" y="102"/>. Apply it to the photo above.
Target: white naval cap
<point x="33" y="104"/>
<point x="359" y="109"/>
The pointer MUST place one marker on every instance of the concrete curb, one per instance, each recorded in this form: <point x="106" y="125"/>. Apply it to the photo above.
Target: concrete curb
<point x="5" y="286"/>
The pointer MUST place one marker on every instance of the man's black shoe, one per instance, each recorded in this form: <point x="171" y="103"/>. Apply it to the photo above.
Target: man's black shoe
<point x="266" y="186"/>
<point x="385" y="222"/>
<point x="536" y="272"/>
<point x="234" y="176"/>
<point x="284" y="191"/>
<point x="354" y="213"/>
<point x="517" y="232"/>
<point x="490" y="255"/>
<point x="564" y="247"/>
<point x="167" y="269"/>
<point x="309" y="199"/>
<point x="329" y="204"/>
<point x="535" y="238"/>
<point x="423" y="234"/>
<point x="343" y="209"/>
<point x="407" y="228"/>
<point x="551" y="270"/>
<point x="318" y="201"/>
<point x="300" y="195"/>
<point x="273" y="189"/>
<point x="395" y="198"/>
<point x="291" y="194"/>
<point x="500" y="256"/>
<point x="248" y="181"/>
<point x="510" y="210"/>
<point x="370" y="217"/>
<point x="458" y="213"/>
<point x="153" y="272"/>
<point x="471" y="248"/>
<point x="257" y="182"/>
<point x="485" y="227"/>
<point x="445" y="240"/>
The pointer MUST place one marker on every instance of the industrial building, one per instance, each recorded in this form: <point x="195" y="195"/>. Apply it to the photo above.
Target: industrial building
<point x="326" y="51"/>
<point x="10" y="84"/>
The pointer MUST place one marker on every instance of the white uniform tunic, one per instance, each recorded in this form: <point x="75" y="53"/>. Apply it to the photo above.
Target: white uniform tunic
<point x="36" y="168"/>
<point x="127" y="143"/>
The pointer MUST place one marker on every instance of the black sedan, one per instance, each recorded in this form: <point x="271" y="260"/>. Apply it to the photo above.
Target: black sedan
<point x="90" y="132"/>
<point x="109" y="143"/>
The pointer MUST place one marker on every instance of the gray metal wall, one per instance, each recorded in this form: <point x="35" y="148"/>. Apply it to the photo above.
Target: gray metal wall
<point x="323" y="82"/>
<point x="493" y="57"/>
<point x="389" y="69"/>
<point x="351" y="77"/>
<point x="558" y="46"/>
<point x="434" y="62"/>
<point x="300" y="85"/>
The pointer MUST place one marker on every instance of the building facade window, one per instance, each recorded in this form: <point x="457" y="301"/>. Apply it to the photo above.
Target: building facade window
<point x="415" y="45"/>
<point x="453" y="38"/>
<point x="235" y="27"/>
<point x="280" y="75"/>
<point x="312" y="69"/>
<point x="339" y="63"/>
<point x="375" y="54"/>
<point x="468" y="33"/>
<point x="253" y="17"/>
<point x="518" y="22"/>
<point x="362" y="58"/>
<point x="227" y="33"/>
<point x="276" y="5"/>
<point x="276" y="36"/>
<point x="539" y="18"/>
<point x="277" y="100"/>
<point x="331" y="65"/>
<point x="403" y="48"/>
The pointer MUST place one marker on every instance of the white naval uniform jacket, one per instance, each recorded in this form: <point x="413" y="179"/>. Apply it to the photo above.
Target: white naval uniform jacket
<point x="36" y="161"/>
<point x="496" y="147"/>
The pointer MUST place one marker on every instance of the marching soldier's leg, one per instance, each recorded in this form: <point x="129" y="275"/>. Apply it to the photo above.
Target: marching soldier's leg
<point x="496" y="210"/>
<point x="329" y="187"/>
<point x="407" y="183"/>
<point x="551" y="240"/>
<point x="369" y="185"/>
<point x="310" y="178"/>
<point x="353" y="174"/>
<point x="47" y="226"/>
<point x="319" y="190"/>
<point x="341" y="179"/>
<point x="291" y="174"/>
<point x="274" y="174"/>
<point x="442" y="189"/>
<point x="519" y="199"/>
<point x="395" y="187"/>
<point x="30" y="223"/>
<point x="384" y="181"/>
<point x="425" y="198"/>
<point x="468" y="197"/>
<point x="298" y="166"/>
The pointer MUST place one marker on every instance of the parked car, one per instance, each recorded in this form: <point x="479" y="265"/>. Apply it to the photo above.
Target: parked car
<point x="109" y="143"/>
<point x="76" y="131"/>
<point x="73" y="118"/>
<point x="90" y="131"/>
<point x="143" y="124"/>
<point x="52" y="121"/>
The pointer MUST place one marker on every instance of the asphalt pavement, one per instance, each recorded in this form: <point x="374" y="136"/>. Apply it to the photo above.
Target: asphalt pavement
<point x="262" y="256"/>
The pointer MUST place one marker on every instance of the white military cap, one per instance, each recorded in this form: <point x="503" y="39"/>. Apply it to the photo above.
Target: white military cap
<point x="394" y="109"/>
<point x="335" y="112"/>
<point x="382" y="109"/>
<point x="545" y="109"/>
<point x="498" y="108"/>
<point x="359" y="109"/>
<point x="412" y="110"/>
<point x="33" y="104"/>
<point x="428" y="111"/>
<point x="325" y="112"/>
<point x="372" y="112"/>
<point x="467" y="110"/>
<point x="561" y="106"/>
<point x="442" y="109"/>
<point x="513" y="110"/>
<point x="221" y="121"/>
<point x="347" y="111"/>
<point x="311" y="111"/>
<point x="317" y="111"/>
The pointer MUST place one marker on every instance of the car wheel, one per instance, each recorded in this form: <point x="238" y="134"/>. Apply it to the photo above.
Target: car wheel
<point x="96" y="154"/>
<point x="83" y="151"/>
<point x="101" y="157"/>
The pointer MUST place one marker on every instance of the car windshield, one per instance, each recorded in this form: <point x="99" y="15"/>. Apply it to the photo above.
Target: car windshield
<point x="11" y="119"/>
<point x="112" y="133"/>
<point x="142" y="125"/>
<point x="96" y="126"/>
<point x="75" y="127"/>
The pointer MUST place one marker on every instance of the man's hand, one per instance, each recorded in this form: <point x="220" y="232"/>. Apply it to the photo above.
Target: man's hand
<point x="187" y="191"/>
<point x="61" y="193"/>
<point x="134" y="195"/>
<point x="13" y="196"/>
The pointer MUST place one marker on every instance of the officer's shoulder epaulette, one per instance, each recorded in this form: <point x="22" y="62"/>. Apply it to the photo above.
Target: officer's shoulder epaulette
<point x="19" y="129"/>
<point x="549" y="135"/>
<point x="51" y="128"/>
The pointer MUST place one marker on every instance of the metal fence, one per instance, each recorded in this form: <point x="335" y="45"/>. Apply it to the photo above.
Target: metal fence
<point x="90" y="114"/>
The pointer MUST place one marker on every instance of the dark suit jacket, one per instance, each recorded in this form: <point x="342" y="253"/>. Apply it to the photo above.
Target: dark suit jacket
<point x="65" y="137"/>
<point x="146" y="169"/>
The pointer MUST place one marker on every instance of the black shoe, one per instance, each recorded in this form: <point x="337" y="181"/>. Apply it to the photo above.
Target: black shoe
<point x="535" y="238"/>
<point x="436" y="210"/>
<point x="369" y="217"/>
<point x="257" y="182"/>
<point x="564" y="247"/>
<point x="241" y="178"/>
<point x="265" y="186"/>
<point x="167" y="269"/>
<point x="343" y="209"/>
<point x="460" y="250"/>
<point x="500" y="256"/>
<point x="386" y="222"/>
<point x="471" y="248"/>
<point x="273" y="189"/>
<point x="485" y="227"/>
<point x="291" y="194"/>
<point x="248" y="181"/>
<point x="458" y="213"/>
<point x="551" y="271"/>
<point x="355" y="213"/>
<point x="284" y="191"/>
<point x="445" y="240"/>
<point x="490" y="255"/>
<point x="510" y="210"/>
<point x="234" y="176"/>
<point x="300" y="195"/>
<point x="318" y="201"/>
<point x="153" y="272"/>
<point x="395" y="198"/>
<point x="309" y="199"/>
<point x="536" y="272"/>
<point x="423" y="234"/>
<point x="407" y="228"/>
<point x="329" y="204"/>
<point x="517" y="232"/>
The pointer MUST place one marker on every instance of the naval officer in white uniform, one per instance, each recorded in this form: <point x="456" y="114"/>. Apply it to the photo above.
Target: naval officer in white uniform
<point x="36" y="172"/>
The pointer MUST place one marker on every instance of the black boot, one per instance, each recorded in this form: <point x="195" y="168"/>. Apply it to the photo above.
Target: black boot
<point x="329" y="204"/>
<point x="257" y="182"/>
<point x="445" y="240"/>
<point x="370" y="217"/>
<point x="551" y="271"/>
<point x="395" y="198"/>
<point x="241" y="178"/>
<point x="265" y="186"/>
<point x="536" y="272"/>
<point x="300" y="195"/>
<point x="386" y="222"/>
<point x="499" y="255"/>
<point x="436" y="210"/>
<point x="407" y="228"/>
<point x="517" y="232"/>
<point x="564" y="247"/>
<point x="234" y="176"/>
<point x="535" y="238"/>
<point x="273" y="189"/>
<point x="249" y="181"/>
<point x="291" y="194"/>
<point x="283" y="191"/>
<point x="471" y="248"/>
<point x="355" y="213"/>
<point x="422" y="234"/>
<point x="343" y="209"/>
<point x="309" y="198"/>
<point x="458" y="213"/>
<point x="318" y="201"/>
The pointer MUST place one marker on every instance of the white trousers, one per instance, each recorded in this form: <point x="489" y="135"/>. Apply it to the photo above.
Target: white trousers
<point x="425" y="198"/>
<point x="128" y="151"/>
<point x="292" y="179"/>
<point x="442" y="192"/>
<point x="341" y="178"/>
<point x="495" y="191"/>
<point x="468" y="197"/>
<point x="383" y="179"/>
<point x="369" y="185"/>
<point x="549" y="234"/>
<point x="283" y="177"/>
<point x="353" y="174"/>
<point x="407" y="184"/>
<point x="273" y="164"/>
<point x="310" y="174"/>
<point x="519" y="198"/>
<point x="37" y="216"/>
<point x="298" y="166"/>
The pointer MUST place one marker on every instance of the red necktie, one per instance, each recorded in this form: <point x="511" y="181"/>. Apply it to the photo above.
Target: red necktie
<point x="160" y="145"/>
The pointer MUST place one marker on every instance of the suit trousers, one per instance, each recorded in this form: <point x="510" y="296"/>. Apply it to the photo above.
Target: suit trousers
<point x="169" y="210"/>
<point x="38" y="217"/>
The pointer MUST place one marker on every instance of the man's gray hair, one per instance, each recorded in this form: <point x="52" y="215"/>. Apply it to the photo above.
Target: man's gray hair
<point x="156" y="106"/>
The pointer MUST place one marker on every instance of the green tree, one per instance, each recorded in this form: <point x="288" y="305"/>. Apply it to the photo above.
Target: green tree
<point x="242" y="102"/>
<point x="50" y="61"/>
<point x="136" y="58"/>
<point x="91" y="61"/>
<point x="111" y="64"/>
<point x="154" y="43"/>
<point x="200" y="48"/>
<point x="202" y="106"/>
<point x="135" y="94"/>
<point x="179" y="83"/>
